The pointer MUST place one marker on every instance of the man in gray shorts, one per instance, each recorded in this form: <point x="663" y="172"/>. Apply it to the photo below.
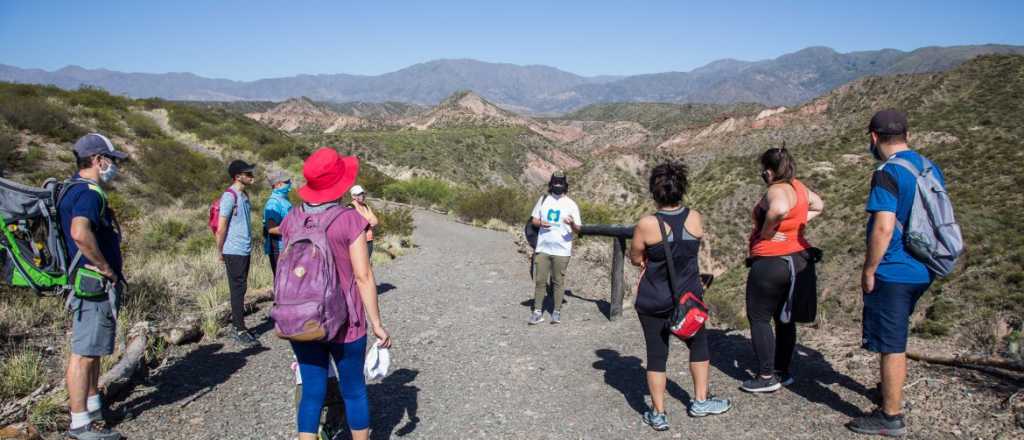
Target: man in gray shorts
<point x="93" y="239"/>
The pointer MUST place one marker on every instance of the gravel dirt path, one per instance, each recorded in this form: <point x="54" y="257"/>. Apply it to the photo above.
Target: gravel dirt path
<point x="466" y="365"/>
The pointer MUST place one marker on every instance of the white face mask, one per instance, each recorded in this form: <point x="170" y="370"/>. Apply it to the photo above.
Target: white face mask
<point x="108" y="174"/>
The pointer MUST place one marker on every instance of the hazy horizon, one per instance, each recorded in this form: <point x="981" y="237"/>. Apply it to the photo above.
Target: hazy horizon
<point x="245" y="41"/>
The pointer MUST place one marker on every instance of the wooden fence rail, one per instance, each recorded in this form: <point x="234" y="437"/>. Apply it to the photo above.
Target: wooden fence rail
<point x="619" y="234"/>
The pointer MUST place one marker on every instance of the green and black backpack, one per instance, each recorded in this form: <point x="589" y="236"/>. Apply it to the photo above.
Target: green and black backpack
<point x="33" y="253"/>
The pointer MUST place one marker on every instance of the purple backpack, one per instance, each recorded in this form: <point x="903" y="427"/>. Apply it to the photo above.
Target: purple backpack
<point x="309" y="302"/>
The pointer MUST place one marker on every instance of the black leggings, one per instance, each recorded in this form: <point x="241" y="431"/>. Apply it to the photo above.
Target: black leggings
<point x="767" y="291"/>
<point x="657" y="336"/>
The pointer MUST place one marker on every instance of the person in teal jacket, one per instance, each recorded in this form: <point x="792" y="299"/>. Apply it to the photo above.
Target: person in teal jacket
<point x="274" y="211"/>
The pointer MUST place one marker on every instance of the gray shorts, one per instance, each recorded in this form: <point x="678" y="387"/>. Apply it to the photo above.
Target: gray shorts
<point x="93" y="328"/>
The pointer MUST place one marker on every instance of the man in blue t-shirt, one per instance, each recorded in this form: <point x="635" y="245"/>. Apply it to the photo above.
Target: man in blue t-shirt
<point x="93" y="241"/>
<point x="234" y="243"/>
<point x="892" y="280"/>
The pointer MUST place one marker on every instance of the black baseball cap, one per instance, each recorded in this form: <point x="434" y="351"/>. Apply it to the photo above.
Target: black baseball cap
<point x="888" y="122"/>
<point x="238" y="167"/>
<point x="95" y="143"/>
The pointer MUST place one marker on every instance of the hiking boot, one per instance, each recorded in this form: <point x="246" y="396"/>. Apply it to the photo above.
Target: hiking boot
<point x="879" y="423"/>
<point x="245" y="338"/>
<point x="536" y="318"/>
<point x="92" y="431"/>
<point x="711" y="406"/>
<point x="656" y="420"/>
<point x="761" y="384"/>
<point x="556" y="317"/>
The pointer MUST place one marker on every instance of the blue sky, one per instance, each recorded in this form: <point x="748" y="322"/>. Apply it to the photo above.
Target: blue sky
<point x="247" y="40"/>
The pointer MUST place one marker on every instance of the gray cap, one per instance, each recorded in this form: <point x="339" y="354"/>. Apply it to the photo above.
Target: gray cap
<point x="275" y="176"/>
<point x="95" y="143"/>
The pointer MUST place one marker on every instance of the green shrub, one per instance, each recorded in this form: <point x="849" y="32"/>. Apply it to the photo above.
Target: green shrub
<point x="164" y="234"/>
<point x="97" y="98"/>
<point x="8" y="149"/>
<point x="594" y="213"/>
<point x="372" y="179"/>
<point x="107" y="121"/>
<point x="143" y="126"/>
<point x="394" y="222"/>
<point x="510" y="205"/>
<point x="421" y="190"/>
<point x="39" y="116"/>
<point x="170" y="167"/>
<point x="20" y="374"/>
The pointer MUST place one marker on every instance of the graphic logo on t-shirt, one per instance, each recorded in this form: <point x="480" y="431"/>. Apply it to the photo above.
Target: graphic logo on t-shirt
<point x="554" y="215"/>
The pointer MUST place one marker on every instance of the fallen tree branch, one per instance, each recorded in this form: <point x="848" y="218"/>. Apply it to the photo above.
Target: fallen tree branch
<point x="134" y="356"/>
<point x="188" y="330"/>
<point x="16" y="411"/>
<point x="223" y="312"/>
<point x="968" y="361"/>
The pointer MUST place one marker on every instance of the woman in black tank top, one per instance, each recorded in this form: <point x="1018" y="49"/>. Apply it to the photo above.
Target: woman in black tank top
<point x="654" y="299"/>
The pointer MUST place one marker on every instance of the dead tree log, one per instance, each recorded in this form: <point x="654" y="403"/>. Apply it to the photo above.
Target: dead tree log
<point x="133" y="358"/>
<point x="968" y="361"/>
<point x="17" y="410"/>
<point x="188" y="330"/>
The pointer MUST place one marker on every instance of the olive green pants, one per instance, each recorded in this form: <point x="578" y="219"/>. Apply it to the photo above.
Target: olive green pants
<point x="548" y="267"/>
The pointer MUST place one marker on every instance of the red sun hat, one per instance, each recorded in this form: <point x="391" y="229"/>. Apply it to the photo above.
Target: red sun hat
<point x="329" y="176"/>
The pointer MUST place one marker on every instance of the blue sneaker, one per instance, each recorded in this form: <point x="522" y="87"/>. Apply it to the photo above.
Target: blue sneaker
<point x="710" y="407"/>
<point x="656" y="420"/>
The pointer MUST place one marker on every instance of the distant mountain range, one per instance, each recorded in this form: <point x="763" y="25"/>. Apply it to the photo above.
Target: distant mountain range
<point x="789" y="79"/>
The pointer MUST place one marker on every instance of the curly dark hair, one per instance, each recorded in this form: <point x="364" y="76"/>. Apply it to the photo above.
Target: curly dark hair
<point x="668" y="183"/>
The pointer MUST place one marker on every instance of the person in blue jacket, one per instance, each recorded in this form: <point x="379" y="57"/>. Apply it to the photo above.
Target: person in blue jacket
<point x="274" y="211"/>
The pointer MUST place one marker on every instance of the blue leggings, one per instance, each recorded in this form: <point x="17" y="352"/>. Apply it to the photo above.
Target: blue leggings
<point x="313" y="358"/>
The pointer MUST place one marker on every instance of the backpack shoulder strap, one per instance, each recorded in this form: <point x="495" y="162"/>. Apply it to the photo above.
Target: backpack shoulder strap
<point x="909" y="166"/>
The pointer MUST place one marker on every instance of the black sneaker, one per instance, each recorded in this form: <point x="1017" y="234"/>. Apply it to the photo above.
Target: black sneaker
<point x="245" y="338"/>
<point x="879" y="423"/>
<point x="761" y="384"/>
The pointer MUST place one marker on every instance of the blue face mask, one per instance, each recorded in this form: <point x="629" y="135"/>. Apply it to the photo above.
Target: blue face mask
<point x="284" y="189"/>
<point x="875" y="152"/>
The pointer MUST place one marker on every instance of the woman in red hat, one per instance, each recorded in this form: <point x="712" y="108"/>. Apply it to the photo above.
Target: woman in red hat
<point x="328" y="177"/>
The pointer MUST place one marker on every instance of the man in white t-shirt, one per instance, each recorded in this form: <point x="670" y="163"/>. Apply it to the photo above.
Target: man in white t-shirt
<point x="558" y="218"/>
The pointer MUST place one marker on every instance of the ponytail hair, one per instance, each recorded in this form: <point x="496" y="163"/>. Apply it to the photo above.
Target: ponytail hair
<point x="668" y="183"/>
<point x="780" y="163"/>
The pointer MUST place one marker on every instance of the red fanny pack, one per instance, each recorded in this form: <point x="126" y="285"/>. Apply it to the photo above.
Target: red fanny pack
<point x="689" y="316"/>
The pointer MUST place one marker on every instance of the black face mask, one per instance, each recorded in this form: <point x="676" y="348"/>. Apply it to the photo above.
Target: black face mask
<point x="875" y="152"/>
<point x="558" y="186"/>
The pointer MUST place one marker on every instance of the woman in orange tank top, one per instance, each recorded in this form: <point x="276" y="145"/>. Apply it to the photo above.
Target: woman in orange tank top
<point x="780" y="264"/>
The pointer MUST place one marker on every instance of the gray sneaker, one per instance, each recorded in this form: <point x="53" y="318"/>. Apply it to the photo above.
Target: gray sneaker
<point x="711" y="407"/>
<point x="93" y="432"/>
<point x="536" y="318"/>
<point x="761" y="384"/>
<point x="878" y="423"/>
<point x="656" y="420"/>
<point x="556" y="317"/>
<point x="246" y="339"/>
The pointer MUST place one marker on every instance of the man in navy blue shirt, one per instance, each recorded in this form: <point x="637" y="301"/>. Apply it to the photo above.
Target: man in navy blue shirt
<point x="94" y="243"/>
<point x="891" y="280"/>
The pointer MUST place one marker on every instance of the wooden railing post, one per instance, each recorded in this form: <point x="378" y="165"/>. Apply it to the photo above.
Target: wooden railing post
<point x="618" y="290"/>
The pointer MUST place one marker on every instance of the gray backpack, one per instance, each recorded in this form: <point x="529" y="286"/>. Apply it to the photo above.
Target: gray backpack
<point x="932" y="235"/>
